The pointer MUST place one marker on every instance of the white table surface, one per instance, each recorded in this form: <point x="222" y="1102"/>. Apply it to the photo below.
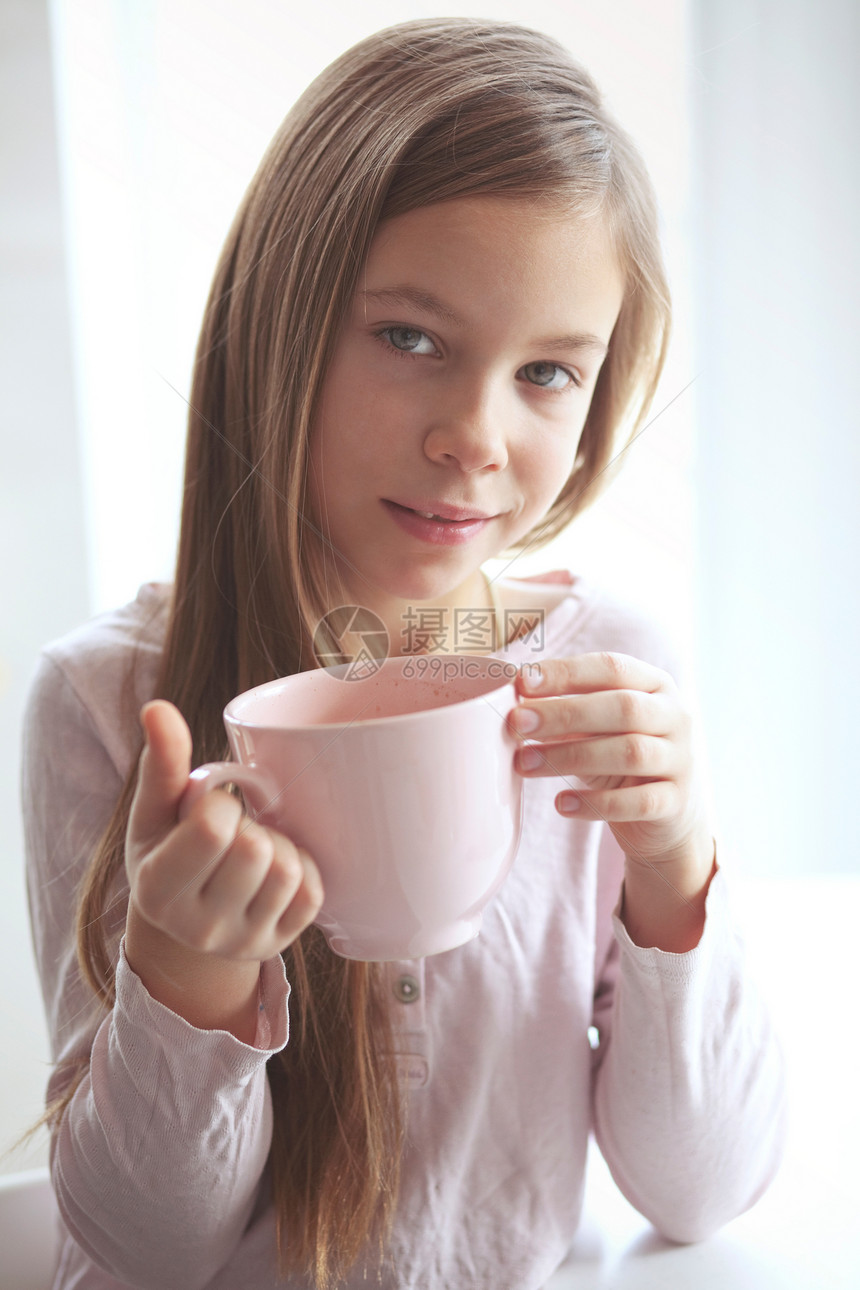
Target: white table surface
<point x="804" y="1234"/>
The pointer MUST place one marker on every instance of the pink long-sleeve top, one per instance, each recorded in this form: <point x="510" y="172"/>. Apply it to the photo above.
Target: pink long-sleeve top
<point x="160" y="1164"/>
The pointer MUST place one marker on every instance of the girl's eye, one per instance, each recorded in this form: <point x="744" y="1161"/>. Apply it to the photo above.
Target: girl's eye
<point x="549" y="376"/>
<point x="408" y="340"/>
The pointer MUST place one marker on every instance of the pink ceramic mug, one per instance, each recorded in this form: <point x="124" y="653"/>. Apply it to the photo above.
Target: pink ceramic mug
<point x="401" y="786"/>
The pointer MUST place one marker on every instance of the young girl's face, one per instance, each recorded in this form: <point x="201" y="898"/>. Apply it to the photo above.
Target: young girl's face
<point x="462" y="378"/>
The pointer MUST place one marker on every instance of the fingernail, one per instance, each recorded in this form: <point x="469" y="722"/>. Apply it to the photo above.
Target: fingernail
<point x="530" y="758"/>
<point x="525" y="719"/>
<point x="569" y="803"/>
<point x="531" y="676"/>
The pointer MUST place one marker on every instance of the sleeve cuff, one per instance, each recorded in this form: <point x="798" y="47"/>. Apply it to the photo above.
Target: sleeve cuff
<point x="679" y="967"/>
<point x="273" y="1018"/>
<point x="149" y="1016"/>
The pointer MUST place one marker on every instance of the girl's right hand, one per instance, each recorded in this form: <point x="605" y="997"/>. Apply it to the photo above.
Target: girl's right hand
<point x="215" y="882"/>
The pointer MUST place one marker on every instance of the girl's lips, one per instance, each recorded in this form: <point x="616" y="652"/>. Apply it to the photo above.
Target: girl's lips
<point x="440" y="532"/>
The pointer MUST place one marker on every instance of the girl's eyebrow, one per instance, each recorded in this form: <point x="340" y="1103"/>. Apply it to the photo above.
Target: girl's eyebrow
<point x="425" y="300"/>
<point x="415" y="296"/>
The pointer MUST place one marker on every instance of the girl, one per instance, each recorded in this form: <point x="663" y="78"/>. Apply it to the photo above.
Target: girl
<point x="442" y="297"/>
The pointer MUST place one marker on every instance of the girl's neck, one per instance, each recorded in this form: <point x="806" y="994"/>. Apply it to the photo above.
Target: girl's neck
<point x="468" y="621"/>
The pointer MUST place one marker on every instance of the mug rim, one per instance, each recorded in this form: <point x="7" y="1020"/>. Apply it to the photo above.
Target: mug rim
<point x="230" y="715"/>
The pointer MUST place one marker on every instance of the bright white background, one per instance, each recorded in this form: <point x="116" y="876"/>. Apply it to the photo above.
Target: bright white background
<point x="129" y="131"/>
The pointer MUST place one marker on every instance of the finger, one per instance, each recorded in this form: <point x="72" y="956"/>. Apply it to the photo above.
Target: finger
<point x="306" y="903"/>
<point x="584" y="672"/>
<point x="606" y="712"/>
<point x="164" y="768"/>
<point x="293" y="876"/>
<point x="304" y="906"/>
<point x="247" y="865"/>
<point x="168" y="880"/>
<point x="288" y="899"/>
<point x="641" y="756"/>
<point x="655" y="801"/>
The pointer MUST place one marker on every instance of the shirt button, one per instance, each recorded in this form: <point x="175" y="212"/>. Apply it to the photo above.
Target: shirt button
<point x="406" y="989"/>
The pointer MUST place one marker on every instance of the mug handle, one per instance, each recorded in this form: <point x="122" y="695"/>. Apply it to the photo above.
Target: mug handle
<point x="215" y="773"/>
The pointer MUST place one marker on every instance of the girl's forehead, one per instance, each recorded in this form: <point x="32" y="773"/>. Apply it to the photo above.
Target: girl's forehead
<point x="490" y="217"/>
<point x="497" y="252"/>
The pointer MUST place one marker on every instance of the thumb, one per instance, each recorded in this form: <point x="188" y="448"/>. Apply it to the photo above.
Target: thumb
<point x="163" y="775"/>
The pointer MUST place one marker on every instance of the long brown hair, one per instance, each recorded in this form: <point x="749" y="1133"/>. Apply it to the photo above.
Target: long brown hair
<point x="420" y="113"/>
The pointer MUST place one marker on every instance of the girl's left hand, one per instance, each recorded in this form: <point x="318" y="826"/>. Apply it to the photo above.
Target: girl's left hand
<point x="620" y="726"/>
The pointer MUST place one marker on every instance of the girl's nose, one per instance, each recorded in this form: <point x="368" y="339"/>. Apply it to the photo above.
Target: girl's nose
<point x="467" y="427"/>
